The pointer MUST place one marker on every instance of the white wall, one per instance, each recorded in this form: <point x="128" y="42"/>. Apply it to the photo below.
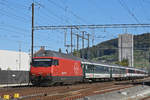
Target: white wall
<point x="12" y="60"/>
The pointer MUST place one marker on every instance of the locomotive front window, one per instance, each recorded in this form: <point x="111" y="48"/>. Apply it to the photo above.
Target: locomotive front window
<point x="42" y="62"/>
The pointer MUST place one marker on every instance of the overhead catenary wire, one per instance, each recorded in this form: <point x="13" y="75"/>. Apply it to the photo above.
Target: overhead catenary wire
<point x="124" y="5"/>
<point x="13" y="37"/>
<point x="13" y="16"/>
<point x="128" y="10"/>
<point x="15" y="27"/>
<point x="69" y="11"/>
<point x="46" y="16"/>
<point x="16" y="4"/>
<point x="91" y="26"/>
<point x="8" y="13"/>
<point x="11" y="8"/>
<point x="50" y="12"/>
<point x="15" y="33"/>
<point x="144" y="10"/>
<point x="44" y="10"/>
<point x="49" y="17"/>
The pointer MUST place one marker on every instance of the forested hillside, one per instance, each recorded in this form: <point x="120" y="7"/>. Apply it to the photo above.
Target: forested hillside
<point x="107" y="51"/>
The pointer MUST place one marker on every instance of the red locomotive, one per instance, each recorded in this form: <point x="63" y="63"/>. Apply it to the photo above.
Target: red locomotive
<point x="55" y="69"/>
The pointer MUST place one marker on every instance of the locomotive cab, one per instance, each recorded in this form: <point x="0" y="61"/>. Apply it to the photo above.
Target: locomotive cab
<point x="41" y="70"/>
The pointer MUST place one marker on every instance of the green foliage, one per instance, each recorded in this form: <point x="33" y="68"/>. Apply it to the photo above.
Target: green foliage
<point x="124" y="62"/>
<point x="105" y="48"/>
<point x="76" y="53"/>
<point x="141" y="58"/>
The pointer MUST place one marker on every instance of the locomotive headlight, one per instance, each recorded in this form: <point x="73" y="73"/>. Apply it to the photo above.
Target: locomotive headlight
<point x="33" y="74"/>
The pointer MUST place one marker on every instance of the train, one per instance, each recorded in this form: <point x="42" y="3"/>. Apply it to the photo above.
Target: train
<point x="50" y="67"/>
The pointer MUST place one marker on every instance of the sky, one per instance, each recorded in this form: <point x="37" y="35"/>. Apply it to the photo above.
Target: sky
<point x="15" y="21"/>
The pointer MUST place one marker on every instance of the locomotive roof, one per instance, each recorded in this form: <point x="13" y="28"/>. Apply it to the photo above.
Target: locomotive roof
<point x="49" y="53"/>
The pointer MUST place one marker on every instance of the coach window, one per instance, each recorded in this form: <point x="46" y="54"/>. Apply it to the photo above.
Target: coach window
<point x="88" y="68"/>
<point x="102" y="69"/>
<point x="91" y="68"/>
<point x="119" y="71"/>
<point x="131" y="71"/>
<point x="123" y="71"/>
<point x="114" y="70"/>
<point x="106" y="69"/>
<point x="97" y="69"/>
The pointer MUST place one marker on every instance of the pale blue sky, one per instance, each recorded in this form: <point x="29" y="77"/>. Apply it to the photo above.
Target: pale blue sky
<point x="15" y="20"/>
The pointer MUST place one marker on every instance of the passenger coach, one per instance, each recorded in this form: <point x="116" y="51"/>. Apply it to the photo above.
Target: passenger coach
<point x="98" y="71"/>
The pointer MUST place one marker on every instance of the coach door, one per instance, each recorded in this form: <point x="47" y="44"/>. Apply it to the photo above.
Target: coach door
<point x="110" y="71"/>
<point x="89" y="71"/>
<point x="84" y="70"/>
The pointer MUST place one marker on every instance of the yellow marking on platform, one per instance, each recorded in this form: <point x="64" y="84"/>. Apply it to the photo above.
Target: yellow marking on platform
<point x="16" y="95"/>
<point x="6" y="97"/>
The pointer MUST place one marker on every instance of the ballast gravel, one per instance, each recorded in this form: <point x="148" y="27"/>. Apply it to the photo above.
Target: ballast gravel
<point x="133" y="93"/>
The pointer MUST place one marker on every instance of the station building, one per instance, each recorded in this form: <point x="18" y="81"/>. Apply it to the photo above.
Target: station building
<point x="12" y="60"/>
<point x="14" y="67"/>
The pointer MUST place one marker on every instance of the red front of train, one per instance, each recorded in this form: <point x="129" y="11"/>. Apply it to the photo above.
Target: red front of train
<point x="51" y="70"/>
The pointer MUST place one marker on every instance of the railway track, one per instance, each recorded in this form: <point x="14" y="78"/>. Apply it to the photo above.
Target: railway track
<point x="68" y="92"/>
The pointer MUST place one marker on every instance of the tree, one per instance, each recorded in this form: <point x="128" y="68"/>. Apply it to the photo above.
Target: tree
<point x="124" y="62"/>
<point x="76" y="53"/>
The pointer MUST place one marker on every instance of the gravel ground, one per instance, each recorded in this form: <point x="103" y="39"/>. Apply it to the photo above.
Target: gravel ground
<point x="134" y="93"/>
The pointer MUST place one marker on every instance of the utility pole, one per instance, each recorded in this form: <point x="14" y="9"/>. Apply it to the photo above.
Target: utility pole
<point x="83" y="39"/>
<point x="93" y="35"/>
<point x="93" y="41"/>
<point x="19" y="55"/>
<point x="65" y="34"/>
<point x="82" y="44"/>
<point x="88" y="40"/>
<point x="77" y="42"/>
<point x="32" y="40"/>
<point x="71" y="41"/>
